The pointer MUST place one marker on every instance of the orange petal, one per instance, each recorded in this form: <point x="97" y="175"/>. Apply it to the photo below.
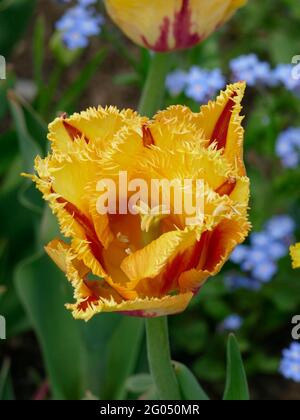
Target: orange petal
<point x="147" y="307"/>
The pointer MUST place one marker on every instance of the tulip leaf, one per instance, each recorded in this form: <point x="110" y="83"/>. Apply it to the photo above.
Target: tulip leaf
<point x="123" y="351"/>
<point x="236" y="383"/>
<point x="35" y="124"/>
<point x="28" y="147"/>
<point x="190" y="388"/>
<point x="140" y="383"/>
<point x="96" y="335"/>
<point x="43" y="291"/>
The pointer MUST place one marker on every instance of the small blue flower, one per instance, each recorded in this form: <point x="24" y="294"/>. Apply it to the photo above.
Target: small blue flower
<point x="281" y="227"/>
<point x="232" y="323"/>
<point x="202" y="84"/>
<point x="197" y="88"/>
<point x="283" y="74"/>
<point x="265" y="245"/>
<point x="252" y="70"/>
<point x="176" y="82"/>
<point x="260" y="239"/>
<point x="239" y="254"/>
<point x="259" y="260"/>
<point x="235" y="281"/>
<point x="288" y="147"/>
<point x="264" y="271"/>
<point x="277" y="250"/>
<point x="290" y="363"/>
<point x="78" y="24"/>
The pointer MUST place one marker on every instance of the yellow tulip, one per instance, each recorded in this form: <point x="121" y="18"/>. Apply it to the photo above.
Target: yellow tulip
<point x="135" y="263"/>
<point x="295" y="254"/>
<point x="171" y="24"/>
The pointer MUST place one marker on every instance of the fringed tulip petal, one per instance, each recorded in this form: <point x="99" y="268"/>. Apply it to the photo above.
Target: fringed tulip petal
<point x="295" y="254"/>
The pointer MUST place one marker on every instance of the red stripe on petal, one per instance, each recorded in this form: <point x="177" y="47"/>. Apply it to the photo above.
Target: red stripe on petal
<point x="182" y="27"/>
<point x="186" y="261"/>
<point x="89" y="230"/>
<point x="220" y="132"/>
<point x="73" y="132"/>
<point x="148" y="139"/>
<point x="227" y="187"/>
<point x="83" y="306"/>
<point x="161" y="44"/>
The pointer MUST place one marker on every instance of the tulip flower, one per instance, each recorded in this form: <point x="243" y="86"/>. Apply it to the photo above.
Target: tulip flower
<point x="295" y="254"/>
<point x="171" y="24"/>
<point x="145" y="263"/>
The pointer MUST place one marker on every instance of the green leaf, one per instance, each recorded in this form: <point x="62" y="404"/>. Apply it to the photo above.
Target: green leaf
<point x="80" y="83"/>
<point x="38" y="50"/>
<point x="236" y="384"/>
<point x="6" y="389"/>
<point x="127" y="79"/>
<point x="43" y="291"/>
<point x="97" y="334"/>
<point x="30" y="198"/>
<point x="28" y="147"/>
<point x="189" y="386"/>
<point x="138" y="384"/>
<point x="9" y="150"/>
<point x="123" y="351"/>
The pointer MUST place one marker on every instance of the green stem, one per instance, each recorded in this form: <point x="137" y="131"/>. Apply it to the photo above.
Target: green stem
<point x="154" y="89"/>
<point x="159" y="357"/>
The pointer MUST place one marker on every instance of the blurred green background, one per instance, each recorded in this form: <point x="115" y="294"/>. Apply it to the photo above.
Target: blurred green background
<point x="49" y="355"/>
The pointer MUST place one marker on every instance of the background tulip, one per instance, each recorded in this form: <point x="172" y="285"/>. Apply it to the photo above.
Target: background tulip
<point x="172" y="24"/>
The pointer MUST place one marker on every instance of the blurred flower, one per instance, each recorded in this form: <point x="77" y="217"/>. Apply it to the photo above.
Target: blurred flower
<point x="252" y="70"/>
<point x="170" y="25"/>
<point x="288" y="147"/>
<point x="264" y="270"/>
<point x="107" y="261"/>
<point x="283" y="74"/>
<point x="259" y="259"/>
<point x="239" y="254"/>
<point x="295" y="254"/>
<point x="202" y="84"/>
<point x="78" y="24"/>
<point x="176" y="82"/>
<point x="290" y="363"/>
<point x="280" y="227"/>
<point x="232" y="323"/>
<point x="198" y="84"/>
<point x="236" y="281"/>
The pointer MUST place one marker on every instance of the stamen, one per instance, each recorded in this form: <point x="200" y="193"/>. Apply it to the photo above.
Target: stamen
<point x="123" y="238"/>
<point x="128" y="251"/>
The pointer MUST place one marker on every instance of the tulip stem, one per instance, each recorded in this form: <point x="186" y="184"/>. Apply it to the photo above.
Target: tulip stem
<point x="154" y="88"/>
<point x="159" y="357"/>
